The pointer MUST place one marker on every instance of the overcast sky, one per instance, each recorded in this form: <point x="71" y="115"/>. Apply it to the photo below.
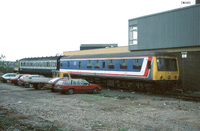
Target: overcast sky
<point x="36" y="28"/>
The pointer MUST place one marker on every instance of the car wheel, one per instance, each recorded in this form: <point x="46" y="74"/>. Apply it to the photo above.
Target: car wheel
<point x="53" y="90"/>
<point x="35" y="86"/>
<point x="30" y="86"/>
<point x="26" y="85"/>
<point x="95" y="91"/>
<point x="40" y="86"/>
<point x="71" y="91"/>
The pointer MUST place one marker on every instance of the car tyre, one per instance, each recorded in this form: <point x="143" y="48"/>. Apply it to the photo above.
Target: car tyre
<point x="53" y="90"/>
<point x="71" y="91"/>
<point x="30" y="86"/>
<point x="95" y="91"/>
<point x="40" y="86"/>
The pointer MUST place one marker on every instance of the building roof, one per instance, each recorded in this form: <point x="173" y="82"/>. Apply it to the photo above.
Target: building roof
<point x="97" y="51"/>
<point x="99" y="45"/>
<point x="164" y="12"/>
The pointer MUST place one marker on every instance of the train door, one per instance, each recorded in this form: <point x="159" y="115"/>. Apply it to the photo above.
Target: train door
<point x="104" y="65"/>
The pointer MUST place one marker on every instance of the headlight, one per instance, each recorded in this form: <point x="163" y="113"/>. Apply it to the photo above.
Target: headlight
<point x="175" y="77"/>
<point x="161" y="77"/>
<point x="169" y="77"/>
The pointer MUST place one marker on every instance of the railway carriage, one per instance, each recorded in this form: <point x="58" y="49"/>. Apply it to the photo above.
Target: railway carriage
<point x="39" y="65"/>
<point x="137" y="71"/>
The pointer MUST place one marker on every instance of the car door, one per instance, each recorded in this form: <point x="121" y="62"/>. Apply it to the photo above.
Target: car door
<point x="76" y="85"/>
<point x="85" y="86"/>
<point x="67" y="84"/>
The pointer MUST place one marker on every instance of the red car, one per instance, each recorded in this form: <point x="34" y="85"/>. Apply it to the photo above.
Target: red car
<point x="76" y="85"/>
<point x="15" y="80"/>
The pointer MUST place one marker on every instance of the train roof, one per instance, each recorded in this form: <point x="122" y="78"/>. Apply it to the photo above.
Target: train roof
<point x="42" y="58"/>
<point x="128" y="54"/>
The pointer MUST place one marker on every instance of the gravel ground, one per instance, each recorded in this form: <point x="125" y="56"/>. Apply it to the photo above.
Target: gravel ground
<point x="110" y="110"/>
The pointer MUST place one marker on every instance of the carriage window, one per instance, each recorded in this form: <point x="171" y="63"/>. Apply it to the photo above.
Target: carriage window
<point x="65" y="75"/>
<point x="97" y="64"/>
<point x="89" y="64"/>
<point x="123" y="64"/>
<point x="79" y="64"/>
<point x="111" y="64"/>
<point x="166" y="64"/>
<point x="137" y="64"/>
<point x="104" y="65"/>
<point x="68" y="64"/>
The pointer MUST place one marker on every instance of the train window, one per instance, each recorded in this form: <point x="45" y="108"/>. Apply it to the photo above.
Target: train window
<point x="97" y="64"/>
<point x="149" y="65"/>
<point x="104" y="65"/>
<point x="61" y="65"/>
<point x="68" y="64"/>
<point x="89" y="64"/>
<point x="54" y="64"/>
<point x="123" y="64"/>
<point x="79" y="64"/>
<point x="166" y="64"/>
<point x="111" y="64"/>
<point x="137" y="64"/>
<point x="66" y="75"/>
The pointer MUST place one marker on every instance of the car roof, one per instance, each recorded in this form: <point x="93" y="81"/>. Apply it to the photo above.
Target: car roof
<point x="72" y="79"/>
<point x="10" y="74"/>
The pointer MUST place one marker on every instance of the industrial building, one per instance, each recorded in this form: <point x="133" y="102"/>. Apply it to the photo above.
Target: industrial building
<point x="176" y="31"/>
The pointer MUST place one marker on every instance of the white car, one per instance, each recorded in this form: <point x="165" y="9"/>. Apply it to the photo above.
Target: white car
<point x="21" y="79"/>
<point x="8" y="76"/>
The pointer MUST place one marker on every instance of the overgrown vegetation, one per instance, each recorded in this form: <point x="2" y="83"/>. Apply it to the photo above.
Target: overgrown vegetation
<point x="10" y="120"/>
<point x="3" y="67"/>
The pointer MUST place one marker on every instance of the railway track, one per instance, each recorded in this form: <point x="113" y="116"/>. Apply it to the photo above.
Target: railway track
<point x="178" y="95"/>
<point x="185" y="97"/>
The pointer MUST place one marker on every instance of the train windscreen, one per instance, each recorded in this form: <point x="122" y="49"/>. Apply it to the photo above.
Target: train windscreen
<point x="166" y="64"/>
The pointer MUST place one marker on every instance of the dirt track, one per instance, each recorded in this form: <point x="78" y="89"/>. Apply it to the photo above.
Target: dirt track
<point x="110" y="110"/>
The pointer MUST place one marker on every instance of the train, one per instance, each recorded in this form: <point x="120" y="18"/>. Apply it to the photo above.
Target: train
<point x="143" y="71"/>
<point x="39" y="65"/>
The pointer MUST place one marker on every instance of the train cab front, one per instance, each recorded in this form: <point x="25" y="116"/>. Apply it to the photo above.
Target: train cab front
<point x="166" y="70"/>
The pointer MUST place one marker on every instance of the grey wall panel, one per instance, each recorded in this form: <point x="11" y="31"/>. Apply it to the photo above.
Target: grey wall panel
<point x="176" y="28"/>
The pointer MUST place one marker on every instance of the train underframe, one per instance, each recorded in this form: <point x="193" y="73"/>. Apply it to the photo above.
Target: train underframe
<point x="162" y="86"/>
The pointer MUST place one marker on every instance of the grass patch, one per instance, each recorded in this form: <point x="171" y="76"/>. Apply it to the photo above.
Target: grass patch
<point x="10" y="120"/>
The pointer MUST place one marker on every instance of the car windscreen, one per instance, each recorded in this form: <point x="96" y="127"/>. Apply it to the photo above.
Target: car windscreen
<point x="59" y="83"/>
<point x="53" y="80"/>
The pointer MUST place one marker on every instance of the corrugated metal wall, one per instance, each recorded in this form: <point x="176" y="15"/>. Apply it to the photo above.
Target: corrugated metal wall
<point x="176" y="28"/>
<point x="190" y="70"/>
